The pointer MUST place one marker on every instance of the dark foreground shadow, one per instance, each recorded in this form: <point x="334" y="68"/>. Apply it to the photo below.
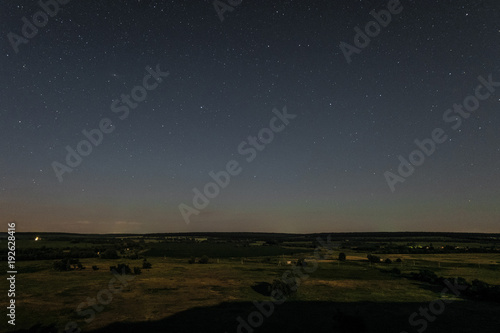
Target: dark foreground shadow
<point x="306" y="317"/>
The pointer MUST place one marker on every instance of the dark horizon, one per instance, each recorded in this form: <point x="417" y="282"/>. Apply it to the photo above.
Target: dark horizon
<point x="336" y="234"/>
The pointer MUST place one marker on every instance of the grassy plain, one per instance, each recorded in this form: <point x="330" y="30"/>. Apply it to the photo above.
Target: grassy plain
<point x="174" y="293"/>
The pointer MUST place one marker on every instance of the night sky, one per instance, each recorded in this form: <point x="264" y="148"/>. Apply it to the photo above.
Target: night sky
<point x="325" y="171"/>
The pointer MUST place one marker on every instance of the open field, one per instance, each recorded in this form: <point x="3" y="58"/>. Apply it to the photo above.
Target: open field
<point x="177" y="295"/>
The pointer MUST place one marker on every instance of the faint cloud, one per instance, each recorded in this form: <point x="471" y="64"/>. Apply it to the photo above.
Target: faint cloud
<point x="127" y="223"/>
<point x="83" y="222"/>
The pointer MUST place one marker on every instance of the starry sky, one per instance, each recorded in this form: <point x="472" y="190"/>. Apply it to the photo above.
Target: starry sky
<point x="324" y="172"/>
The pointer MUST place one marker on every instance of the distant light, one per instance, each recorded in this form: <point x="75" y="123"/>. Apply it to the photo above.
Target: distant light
<point x="36" y="238"/>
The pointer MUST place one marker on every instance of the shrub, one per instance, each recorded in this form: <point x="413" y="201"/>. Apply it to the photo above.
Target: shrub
<point x="192" y="260"/>
<point x="342" y="256"/>
<point x="146" y="264"/>
<point x="60" y="265"/>
<point x="95" y="268"/>
<point x="388" y="261"/>
<point x="67" y="265"/>
<point x="121" y="269"/>
<point x="203" y="260"/>
<point x="427" y="276"/>
<point x="399" y="260"/>
<point x="373" y="259"/>
<point x="137" y="270"/>
<point x="286" y="289"/>
<point x="301" y="262"/>
<point x="109" y="254"/>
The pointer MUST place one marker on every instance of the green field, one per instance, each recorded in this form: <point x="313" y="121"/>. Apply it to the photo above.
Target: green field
<point x="186" y="250"/>
<point x="177" y="296"/>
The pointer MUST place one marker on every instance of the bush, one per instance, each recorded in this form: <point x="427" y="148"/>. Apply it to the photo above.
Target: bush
<point x="192" y="260"/>
<point x="477" y="289"/>
<point x="109" y="254"/>
<point x="399" y="260"/>
<point x="203" y="260"/>
<point x="373" y="259"/>
<point x="61" y="266"/>
<point x="286" y="289"/>
<point x="121" y="269"/>
<point x="67" y="265"/>
<point x="146" y="264"/>
<point x="137" y="270"/>
<point x="95" y="268"/>
<point x="388" y="261"/>
<point x="342" y="256"/>
<point x="301" y="263"/>
<point x="426" y="276"/>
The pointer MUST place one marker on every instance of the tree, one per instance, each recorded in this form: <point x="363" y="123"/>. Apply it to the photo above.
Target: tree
<point x="109" y="254"/>
<point x="342" y="256"/>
